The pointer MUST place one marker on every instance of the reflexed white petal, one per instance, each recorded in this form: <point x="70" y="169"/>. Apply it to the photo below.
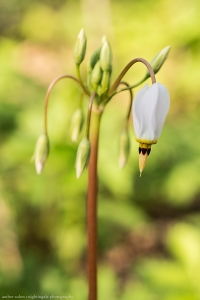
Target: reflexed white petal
<point x="150" y="108"/>
<point x="162" y="108"/>
<point x="143" y="112"/>
<point x="137" y="109"/>
<point x="148" y="120"/>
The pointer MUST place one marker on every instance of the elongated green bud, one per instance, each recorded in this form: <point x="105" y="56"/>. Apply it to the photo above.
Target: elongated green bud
<point x="76" y="124"/>
<point x="41" y="152"/>
<point x="104" y="39"/>
<point x="80" y="47"/>
<point x="105" y="81"/>
<point x="159" y="59"/>
<point x="106" y="56"/>
<point x="96" y="75"/>
<point x="83" y="156"/>
<point x="93" y="60"/>
<point x="124" y="148"/>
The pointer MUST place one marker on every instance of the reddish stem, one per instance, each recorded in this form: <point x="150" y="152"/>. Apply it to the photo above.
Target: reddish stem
<point x="92" y="226"/>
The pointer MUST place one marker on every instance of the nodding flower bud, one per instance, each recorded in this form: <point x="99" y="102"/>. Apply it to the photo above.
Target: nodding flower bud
<point x="80" y="47"/>
<point x="41" y="152"/>
<point x="76" y="124"/>
<point x="106" y="56"/>
<point x="83" y="156"/>
<point x="96" y="76"/>
<point x="159" y="59"/>
<point x="124" y="148"/>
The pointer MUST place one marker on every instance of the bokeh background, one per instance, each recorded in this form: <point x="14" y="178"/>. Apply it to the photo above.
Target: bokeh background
<point x="149" y="227"/>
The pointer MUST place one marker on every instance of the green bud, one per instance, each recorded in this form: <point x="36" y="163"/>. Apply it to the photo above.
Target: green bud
<point x="76" y="124"/>
<point x="106" y="56"/>
<point x="104" y="39"/>
<point x="80" y="47"/>
<point x="159" y="59"/>
<point x="105" y="83"/>
<point x="96" y="75"/>
<point x="83" y="156"/>
<point x="124" y="148"/>
<point x="41" y="152"/>
<point x="93" y="60"/>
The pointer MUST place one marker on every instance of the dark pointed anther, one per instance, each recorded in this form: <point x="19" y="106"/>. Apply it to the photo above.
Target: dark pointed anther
<point x="148" y="151"/>
<point x="144" y="150"/>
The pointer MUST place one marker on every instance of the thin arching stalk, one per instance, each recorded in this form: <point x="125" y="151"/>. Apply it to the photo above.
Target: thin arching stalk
<point x="125" y="70"/>
<point x="49" y="92"/>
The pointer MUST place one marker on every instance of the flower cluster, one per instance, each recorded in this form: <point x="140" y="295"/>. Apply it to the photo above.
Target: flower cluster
<point x="149" y="110"/>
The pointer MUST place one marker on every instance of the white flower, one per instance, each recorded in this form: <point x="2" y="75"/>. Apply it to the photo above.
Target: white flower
<point x="150" y="108"/>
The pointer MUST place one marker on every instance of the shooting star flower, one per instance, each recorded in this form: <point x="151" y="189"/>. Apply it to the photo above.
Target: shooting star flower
<point x="150" y="108"/>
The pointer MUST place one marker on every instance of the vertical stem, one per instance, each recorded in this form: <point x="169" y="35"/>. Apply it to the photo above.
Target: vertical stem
<point x="92" y="227"/>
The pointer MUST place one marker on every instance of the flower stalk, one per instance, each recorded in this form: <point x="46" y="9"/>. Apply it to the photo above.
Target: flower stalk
<point x="92" y="205"/>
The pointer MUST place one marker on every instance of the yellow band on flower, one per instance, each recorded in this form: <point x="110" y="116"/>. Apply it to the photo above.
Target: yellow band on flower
<point x="144" y="146"/>
<point x="145" y="143"/>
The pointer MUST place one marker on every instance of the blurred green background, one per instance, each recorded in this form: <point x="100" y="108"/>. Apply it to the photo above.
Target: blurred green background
<point x="149" y="227"/>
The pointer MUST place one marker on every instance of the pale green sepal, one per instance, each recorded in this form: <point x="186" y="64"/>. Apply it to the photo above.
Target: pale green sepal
<point x="83" y="156"/>
<point x="80" y="47"/>
<point x="41" y="152"/>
